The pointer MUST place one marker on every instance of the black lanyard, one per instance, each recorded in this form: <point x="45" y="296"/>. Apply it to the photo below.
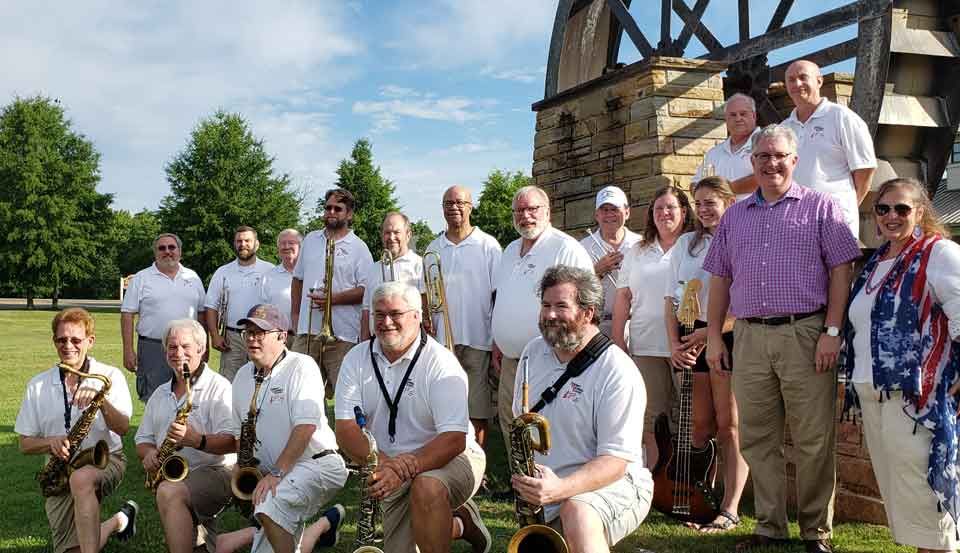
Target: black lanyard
<point x="394" y="404"/>
<point x="577" y="366"/>
<point x="259" y="376"/>
<point x="85" y="367"/>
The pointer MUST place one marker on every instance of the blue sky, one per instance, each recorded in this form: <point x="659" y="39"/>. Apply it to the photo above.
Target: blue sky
<point x="441" y="87"/>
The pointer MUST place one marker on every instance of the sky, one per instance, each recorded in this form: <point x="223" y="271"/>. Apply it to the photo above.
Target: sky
<point x="442" y="88"/>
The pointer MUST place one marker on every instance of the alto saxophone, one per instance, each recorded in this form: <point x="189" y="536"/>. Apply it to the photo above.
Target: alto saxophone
<point x="369" y="507"/>
<point x="54" y="477"/>
<point x="172" y="467"/>
<point x="247" y="475"/>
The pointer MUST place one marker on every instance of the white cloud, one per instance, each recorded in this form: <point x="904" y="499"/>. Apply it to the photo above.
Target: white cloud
<point x="523" y="75"/>
<point x="406" y="102"/>
<point x="475" y="147"/>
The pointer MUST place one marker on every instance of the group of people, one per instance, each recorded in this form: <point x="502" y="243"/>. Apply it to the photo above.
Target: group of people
<point x="770" y="236"/>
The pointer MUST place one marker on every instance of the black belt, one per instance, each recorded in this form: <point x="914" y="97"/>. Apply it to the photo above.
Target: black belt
<point x="324" y="453"/>
<point x="154" y="340"/>
<point x="783" y="320"/>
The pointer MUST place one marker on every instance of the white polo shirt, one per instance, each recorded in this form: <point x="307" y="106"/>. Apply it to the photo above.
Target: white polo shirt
<point x="408" y="268"/>
<point x="685" y="267"/>
<point x="350" y="263"/>
<point x="645" y="272"/>
<point x="597" y="248"/>
<point x="276" y="288"/>
<point x="833" y="143"/>
<point x="41" y="412"/>
<point x="434" y="400"/>
<point x="211" y="398"/>
<point x="159" y="299"/>
<point x="468" y="272"/>
<point x="516" y="312"/>
<point x="597" y="413"/>
<point x="244" y="284"/>
<point x="292" y="394"/>
<point x="729" y="162"/>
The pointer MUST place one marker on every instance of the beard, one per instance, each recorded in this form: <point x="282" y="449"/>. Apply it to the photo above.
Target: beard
<point x="336" y="224"/>
<point x="530" y="233"/>
<point x="564" y="336"/>
<point x="245" y="254"/>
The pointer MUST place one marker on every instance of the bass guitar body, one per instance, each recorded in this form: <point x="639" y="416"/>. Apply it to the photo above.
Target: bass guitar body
<point x="683" y="482"/>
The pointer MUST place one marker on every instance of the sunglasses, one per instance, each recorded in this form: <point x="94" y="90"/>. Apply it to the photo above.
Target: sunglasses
<point x="902" y="209"/>
<point x="164" y="248"/>
<point x="333" y="208"/>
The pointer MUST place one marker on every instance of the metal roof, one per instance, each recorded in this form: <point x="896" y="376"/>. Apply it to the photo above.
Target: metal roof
<point x="947" y="204"/>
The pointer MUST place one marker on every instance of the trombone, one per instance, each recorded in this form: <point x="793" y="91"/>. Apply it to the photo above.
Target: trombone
<point x="326" y="327"/>
<point x="436" y="294"/>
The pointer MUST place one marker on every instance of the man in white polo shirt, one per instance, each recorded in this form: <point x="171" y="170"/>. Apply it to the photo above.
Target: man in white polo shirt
<point x="157" y="295"/>
<point x="607" y="244"/>
<point x="414" y="395"/>
<point x="516" y="307"/>
<point x="835" y="151"/>
<point x="407" y="266"/>
<point x="276" y="284"/>
<point x="592" y="483"/>
<point x="468" y="258"/>
<point x="205" y="442"/>
<point x="730" y="159"/>
<point x="238" y="284"/>
<point x="351" y="260"/>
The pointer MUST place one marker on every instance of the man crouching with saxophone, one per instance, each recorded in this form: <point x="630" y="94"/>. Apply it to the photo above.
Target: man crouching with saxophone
<point x="185" y="441"/>
<point x="414" y="394"/>
<point x="66" y="415"/>
<point x="592" y="482"/>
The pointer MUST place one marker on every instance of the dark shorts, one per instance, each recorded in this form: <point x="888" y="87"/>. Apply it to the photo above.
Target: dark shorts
<point x="701" y="366"/>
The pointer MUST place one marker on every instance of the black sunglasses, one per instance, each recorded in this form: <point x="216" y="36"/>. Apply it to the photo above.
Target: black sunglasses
<point x="902" y="209"/>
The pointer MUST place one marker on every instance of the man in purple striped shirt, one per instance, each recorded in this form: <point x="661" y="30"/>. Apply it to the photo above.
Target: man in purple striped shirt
<point x="780" y="263"/>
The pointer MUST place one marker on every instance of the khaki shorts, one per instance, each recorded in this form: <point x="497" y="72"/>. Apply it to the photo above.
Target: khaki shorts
<point x="310" y="485"/>
<point x="60" y="508"/>
<point x="622" y="506"/>
<point x="461" y="477"/>
<point x="329" y="363"/>
<point x="476" y="362"/>
<point x="658" y="379"/>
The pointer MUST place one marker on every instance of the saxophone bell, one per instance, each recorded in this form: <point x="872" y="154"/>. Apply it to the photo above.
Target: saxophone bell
<point x="97" y="456"/>
<point x="173" y="467"/>
<point x="244" y="482"/>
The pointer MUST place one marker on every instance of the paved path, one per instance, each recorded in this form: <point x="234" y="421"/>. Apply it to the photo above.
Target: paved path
<point x="45" y="303"/>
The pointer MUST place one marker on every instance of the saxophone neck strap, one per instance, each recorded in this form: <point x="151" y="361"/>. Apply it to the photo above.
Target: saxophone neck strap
<point x="67" y="401"/>
<point x="394" y="404"/>
<point x="577" y="366"/>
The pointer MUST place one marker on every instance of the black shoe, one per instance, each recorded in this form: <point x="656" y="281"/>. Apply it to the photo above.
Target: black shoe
<point x="130" y="508"/>
<point x="818" y="546"/>
<point x="335" y="516"/>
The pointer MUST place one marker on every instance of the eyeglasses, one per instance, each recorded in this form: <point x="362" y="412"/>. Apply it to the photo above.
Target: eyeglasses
<point x="256" y="334"/>
<point x="63" y="340"/>
<point x="902" y="209"/>
<point x="380" y="316"/>
<point x="459" y="204"/>
<point x="165" y="248"/>
<point x="532" y="210"/>
<point x="764" y="157"/>
<point x="333" y="208"/>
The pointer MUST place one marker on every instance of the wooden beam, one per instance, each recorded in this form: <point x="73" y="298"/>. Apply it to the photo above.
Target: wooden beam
<point x="780" y="15"/>
<point x="744" y="20"/>
<point x="630" y="26"/>
<point x="784" y="36"/>
<point x="873" y="49"/>
<point x="823" y="58"/>
<point x="556" y="47"/>
<point x="690" y="24"/>
<point x="703" y="34"/>
<point x="666" y="16"/>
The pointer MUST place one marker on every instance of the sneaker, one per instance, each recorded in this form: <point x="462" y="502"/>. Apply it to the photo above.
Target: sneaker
<point x="335" y="516"/>
<point x="130" y="508"/>
<point x="474" y="531"/>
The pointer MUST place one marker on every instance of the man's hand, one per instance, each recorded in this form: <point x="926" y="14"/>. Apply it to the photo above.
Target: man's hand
<point x="608" y="263"/>
<point x="183" y="435"/>
<point x="544" y="489"/>
<point x="130" y="360"/>
<point x="83" y="396"/>
<point x="59" y="446"/>
<point x="496" y="356"/>
<point x="385" y="482"/>
<point x="405" y="465"/>
<point x="681" y="356"/>
<point x="267" y="485"/>
<point x="718" y="358"/>
<point x="150" y="463"/>
<point x="828" y="349"/>
<point x="219" y="343"/>
<point x="318" y="298"/>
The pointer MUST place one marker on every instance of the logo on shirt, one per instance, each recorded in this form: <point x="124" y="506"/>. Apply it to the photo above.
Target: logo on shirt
<point x="573" y="393"/>
<point x="529" y="268"/>
<point x="817" y="131"/>
<point x="276" y="395"/>
<point x="408" y="390"/>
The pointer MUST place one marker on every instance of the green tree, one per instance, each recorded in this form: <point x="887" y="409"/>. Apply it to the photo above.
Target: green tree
<point x="422" y="236"/>
<point x="134" y="240"/>
<point x="52" y="218"/>
<point x="223" y="179"/>
<point x="494" y="212"/>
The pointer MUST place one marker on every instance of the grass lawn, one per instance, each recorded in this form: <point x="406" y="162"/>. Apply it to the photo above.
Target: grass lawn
<point x="27" y="350"/>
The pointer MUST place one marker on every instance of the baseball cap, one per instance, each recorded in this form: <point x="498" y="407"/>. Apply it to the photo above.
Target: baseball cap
<point x="612" y="195"/>
<point x="266" y="316"/>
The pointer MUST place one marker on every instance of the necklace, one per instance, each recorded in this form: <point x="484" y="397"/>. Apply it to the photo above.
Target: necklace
<point x="870" y="286"/>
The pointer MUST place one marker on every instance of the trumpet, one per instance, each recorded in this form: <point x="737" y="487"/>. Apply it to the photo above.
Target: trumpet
<point x="222" y="307"/>
<point x="326" y="327"/>
<point x="437" y="295"/>
<point x="387" y="258"/>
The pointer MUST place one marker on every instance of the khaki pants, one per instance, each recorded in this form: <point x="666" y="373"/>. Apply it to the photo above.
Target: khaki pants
<point x="476" y="362"/>
<point x="508" y="376"/>
<point x="658" y="379"/>
<point x="329" y="362"/>
<point x="461" y="477"/>
<point x="231" y="361"/>
<point x="775" y="382"/>
<point x="60" y="508"/>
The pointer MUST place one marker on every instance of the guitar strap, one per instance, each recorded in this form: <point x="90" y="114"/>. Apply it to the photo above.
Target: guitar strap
<point x="577" y="366"/>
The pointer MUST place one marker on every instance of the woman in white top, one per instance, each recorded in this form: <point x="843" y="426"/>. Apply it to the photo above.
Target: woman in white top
<point x="902" y="363"/>
<point x="640" y="286"/>
<point x="714" y="409"/>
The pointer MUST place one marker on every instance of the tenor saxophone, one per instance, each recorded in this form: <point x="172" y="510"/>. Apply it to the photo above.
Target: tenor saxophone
<point x="247" y="475"/>
<point x="369" y="507"/>
<point x="173" y="467"/>
<point x="54" y="477"/>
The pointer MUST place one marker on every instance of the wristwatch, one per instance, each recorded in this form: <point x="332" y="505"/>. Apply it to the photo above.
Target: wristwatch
<point x="831" y="331"/>
<point x="278" y="473"/>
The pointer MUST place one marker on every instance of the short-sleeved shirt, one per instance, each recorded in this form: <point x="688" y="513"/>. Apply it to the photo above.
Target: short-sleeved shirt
<point x="41" y="412"/>
<point x="645" y="271"/>
<point x="408" y="268"/>
<point x="291" y="395"/>
<point x="243" y="284"/>
<point x="597" y="413"/>
<point x="597" y="248"/>
<point x="833" y="142"/>
<point x="779" y="255"/>
<point x="728" y="162"/>
<point x="211" y="400"/>
<point x="434" y="400"/>
<point x="686" y="266"/>
<point x="350" y="263"/>
<point x="468" y="272"/>
<point x="276" y="288"/>
<point x="159" y="299"/>
<point x="516" y="313"/>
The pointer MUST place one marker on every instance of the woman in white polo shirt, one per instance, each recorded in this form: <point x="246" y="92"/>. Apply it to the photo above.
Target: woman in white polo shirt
<point x="643" y="278"/>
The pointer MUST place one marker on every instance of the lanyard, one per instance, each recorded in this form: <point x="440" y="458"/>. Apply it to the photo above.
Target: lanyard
<point x="67" y="402"/>
<point x="394" y="404"/>
<point x="259" y="377"/>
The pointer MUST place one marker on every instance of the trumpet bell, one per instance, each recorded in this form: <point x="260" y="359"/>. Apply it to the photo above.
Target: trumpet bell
<point x="537" y="538"/>
<point x="244" y="483"/>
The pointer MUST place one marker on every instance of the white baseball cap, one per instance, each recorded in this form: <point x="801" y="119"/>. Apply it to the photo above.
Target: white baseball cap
<point x="612" y="195"/>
